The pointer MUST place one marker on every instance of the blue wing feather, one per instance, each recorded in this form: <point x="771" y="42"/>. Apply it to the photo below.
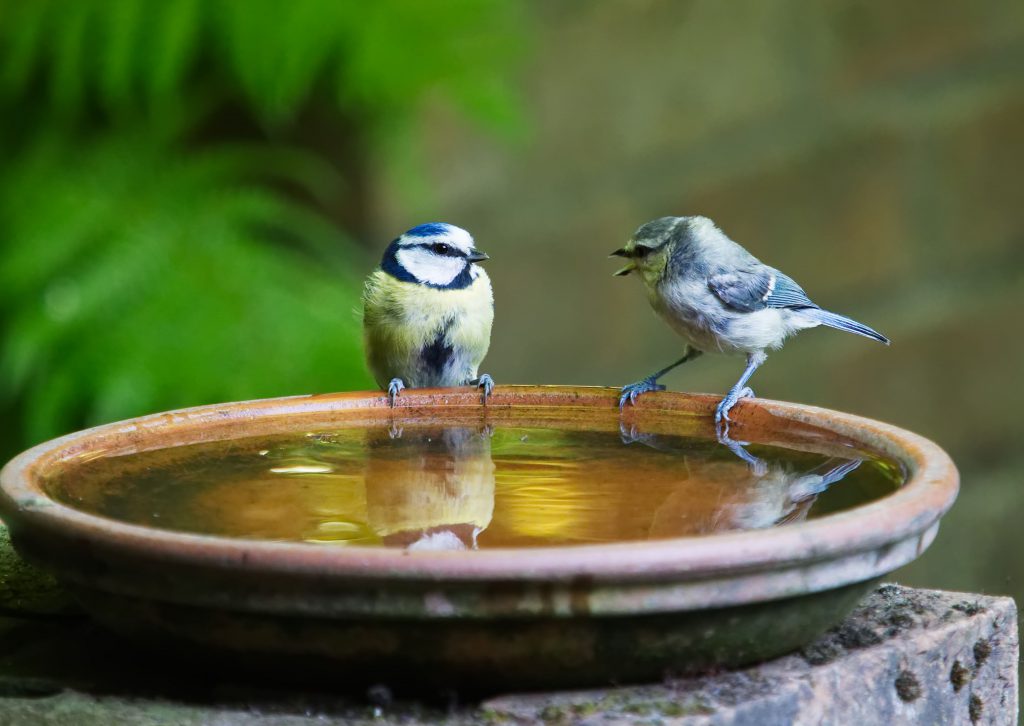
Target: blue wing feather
<point x="787" y="294"/>
<point x="752" y="289"/>
<point x="757" y="288"/>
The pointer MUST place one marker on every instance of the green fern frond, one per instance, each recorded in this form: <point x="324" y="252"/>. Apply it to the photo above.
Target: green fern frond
<point x="141" y="279"/>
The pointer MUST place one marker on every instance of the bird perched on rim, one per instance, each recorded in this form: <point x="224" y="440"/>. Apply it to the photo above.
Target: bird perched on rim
<point x="427" y="312"/>
<point x="720" y="298"/>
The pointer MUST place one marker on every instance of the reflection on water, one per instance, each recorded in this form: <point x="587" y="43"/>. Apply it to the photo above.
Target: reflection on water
<point x="783" y="493"/>
<point x="435" y="487"/>
<point x="430" y="489"/>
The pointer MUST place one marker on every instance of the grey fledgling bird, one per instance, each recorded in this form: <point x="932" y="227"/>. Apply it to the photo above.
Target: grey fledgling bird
<point x="720" y="298"/>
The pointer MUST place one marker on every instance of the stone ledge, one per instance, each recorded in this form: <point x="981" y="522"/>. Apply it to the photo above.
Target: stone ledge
<point x="903" y="656"/>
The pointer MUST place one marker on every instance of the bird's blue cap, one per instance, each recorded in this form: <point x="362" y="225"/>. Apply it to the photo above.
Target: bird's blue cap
<point x="430" y="229"/>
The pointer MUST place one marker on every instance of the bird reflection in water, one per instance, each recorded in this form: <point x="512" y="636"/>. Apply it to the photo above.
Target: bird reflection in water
<point x="430" y="488"/>
<point x="761" y="493"/>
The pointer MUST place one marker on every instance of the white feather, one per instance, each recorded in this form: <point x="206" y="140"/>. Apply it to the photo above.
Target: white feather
<point x="429" y="267"/>
<point x="438" y="541"/>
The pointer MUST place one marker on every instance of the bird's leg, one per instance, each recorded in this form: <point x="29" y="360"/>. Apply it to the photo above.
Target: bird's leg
<point x="396" y="386"/>
<point x="630" y="392"/>
<point x="758" y="466"/>
<point x="486" y="383"/>
<point x="740" y="390"/>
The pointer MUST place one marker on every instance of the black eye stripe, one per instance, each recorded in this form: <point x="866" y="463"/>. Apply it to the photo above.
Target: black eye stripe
<point x="441" y="248"/>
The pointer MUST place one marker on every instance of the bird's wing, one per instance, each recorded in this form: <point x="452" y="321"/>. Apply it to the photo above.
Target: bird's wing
<point x="787" y="294"/>
<point x="756" y="288"/>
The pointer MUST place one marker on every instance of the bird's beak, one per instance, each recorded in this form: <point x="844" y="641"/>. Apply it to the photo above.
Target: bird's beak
<point x="476" y="255"/>
<point x="623" y="252"/>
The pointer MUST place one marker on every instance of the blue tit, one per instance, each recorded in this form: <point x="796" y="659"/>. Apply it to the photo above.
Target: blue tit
<point x="720" y="298"/>
<point x="427" y="312"/>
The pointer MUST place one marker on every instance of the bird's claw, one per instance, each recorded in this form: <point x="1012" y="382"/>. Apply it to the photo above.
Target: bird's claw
<point x="486" y="383"/>
<point x="632" y="435"/>
<point x="722" y="419"/>
<point x="633" y="390"/>
<point x="629" y="435"/>
<point x="394" y="388"/>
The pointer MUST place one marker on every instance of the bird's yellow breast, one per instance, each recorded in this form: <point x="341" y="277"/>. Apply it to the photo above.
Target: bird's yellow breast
<point x="403" y="319"/>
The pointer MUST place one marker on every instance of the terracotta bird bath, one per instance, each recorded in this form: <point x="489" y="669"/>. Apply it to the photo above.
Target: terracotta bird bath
<point x="491" y="569"/>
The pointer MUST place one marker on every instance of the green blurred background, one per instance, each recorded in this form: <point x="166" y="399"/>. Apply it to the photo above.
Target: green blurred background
<point x="191" y="193"/>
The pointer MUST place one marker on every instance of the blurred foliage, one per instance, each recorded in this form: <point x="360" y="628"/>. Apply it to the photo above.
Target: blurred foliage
<point x="165" y="228"/>
<point x="140" y="278"/>
<point x="132" y="56"/>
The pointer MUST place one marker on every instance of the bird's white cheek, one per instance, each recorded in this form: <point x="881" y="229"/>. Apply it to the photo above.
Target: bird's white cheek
<point x="430" y="268"/>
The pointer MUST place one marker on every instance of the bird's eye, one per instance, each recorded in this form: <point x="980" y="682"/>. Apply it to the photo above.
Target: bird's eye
<point x="642" y="251"/>
<point x="441" y="248"/>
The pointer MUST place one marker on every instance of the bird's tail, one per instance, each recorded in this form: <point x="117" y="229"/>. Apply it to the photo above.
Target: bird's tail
<point x="821" y="477"/>
<point x="840" y="322"/>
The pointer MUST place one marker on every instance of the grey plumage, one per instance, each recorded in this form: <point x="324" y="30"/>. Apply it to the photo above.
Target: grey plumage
<point x="720" y="298"/>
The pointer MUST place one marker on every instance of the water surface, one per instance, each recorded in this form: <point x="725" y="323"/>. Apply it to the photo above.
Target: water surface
<point x="465" y="487"/>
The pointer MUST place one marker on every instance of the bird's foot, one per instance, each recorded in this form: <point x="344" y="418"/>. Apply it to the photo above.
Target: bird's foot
<point x="758" y="466"/>
<point x="632" y="435"/>
<point x="486" y="383"/>
<point x="722" y="419"/>
<point x="630" y="392"/>
<point x="396" y="386"/>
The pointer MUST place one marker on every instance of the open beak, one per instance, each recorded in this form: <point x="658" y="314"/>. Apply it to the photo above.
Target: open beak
<point x="476" y="255"/>
<point x="622" y="252"/>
